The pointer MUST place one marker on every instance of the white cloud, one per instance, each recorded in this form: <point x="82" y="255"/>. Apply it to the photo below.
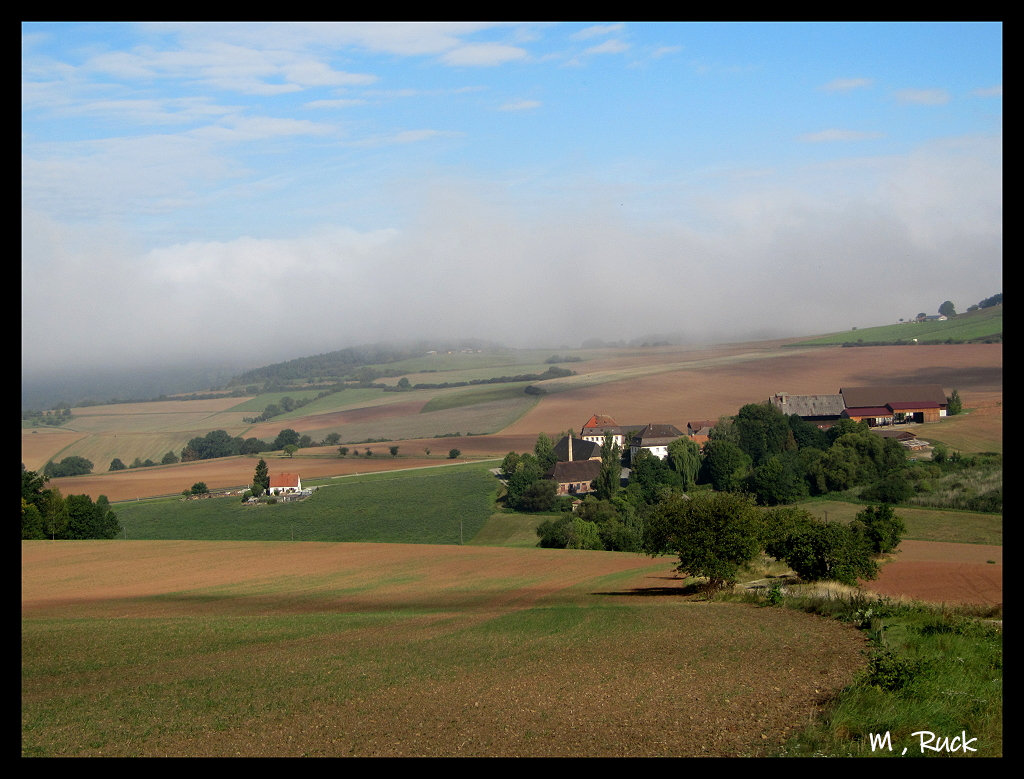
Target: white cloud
<point x="828" y="136"/>
<point x="597" y="30"/>
<point x="847" y="84"/>
<point x="923" y="96"/>
<point x="483" y="55"/>
<point x="521" y="105"/>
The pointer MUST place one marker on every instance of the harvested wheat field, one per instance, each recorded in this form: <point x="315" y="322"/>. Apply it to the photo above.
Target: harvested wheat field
<point x="277" y="649"/>
<point x="936" y="572"/>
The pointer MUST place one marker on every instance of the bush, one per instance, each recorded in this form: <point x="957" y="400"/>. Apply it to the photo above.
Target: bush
<point x="453" y="453"/>
<point x="881" y="527"/>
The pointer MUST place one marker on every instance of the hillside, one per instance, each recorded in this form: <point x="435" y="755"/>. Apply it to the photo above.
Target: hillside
<point x="982" y="326"/>
<point x="671" y="385"/>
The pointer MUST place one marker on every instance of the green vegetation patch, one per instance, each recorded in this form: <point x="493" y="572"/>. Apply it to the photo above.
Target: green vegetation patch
<point x="986" y="324"/>
<point x="960" y="527"/>
<point x="931" y="676"/>
<point x="431" y="506"/>
<point x="483" y="394"/>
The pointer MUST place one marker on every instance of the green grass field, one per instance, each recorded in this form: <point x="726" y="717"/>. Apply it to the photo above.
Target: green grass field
<point x="974" y="326"/>
<point x="960" y="527"/>
<point x="447" y="505"/>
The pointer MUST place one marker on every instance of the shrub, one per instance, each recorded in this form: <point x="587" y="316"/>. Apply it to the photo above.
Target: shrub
<point x="453" y="453"/>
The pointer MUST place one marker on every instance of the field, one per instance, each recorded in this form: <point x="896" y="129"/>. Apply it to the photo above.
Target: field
<point x="635" y="386"/>
<point x="145" y="648"/>
<point x="271" y="647"/>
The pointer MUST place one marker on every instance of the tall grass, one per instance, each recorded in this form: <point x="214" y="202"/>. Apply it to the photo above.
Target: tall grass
<point x="930" y="669"/>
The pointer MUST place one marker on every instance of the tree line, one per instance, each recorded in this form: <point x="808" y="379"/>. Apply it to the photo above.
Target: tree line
<point x="45" y="513"/>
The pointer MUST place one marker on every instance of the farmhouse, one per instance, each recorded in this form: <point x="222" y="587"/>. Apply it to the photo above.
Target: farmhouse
<point x="655" y="439"/>
<point x="284" y="483"/>
<point x="576" y="477"/>
<point x="894" y="404"/>
<point x="599" y="424"/>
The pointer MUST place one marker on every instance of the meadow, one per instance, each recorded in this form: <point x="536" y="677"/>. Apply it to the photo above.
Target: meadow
<point x="431" y="506"/>
<point x="984" y="324"/>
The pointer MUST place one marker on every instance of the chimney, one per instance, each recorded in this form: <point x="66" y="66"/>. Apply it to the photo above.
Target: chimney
<point x="570" y="448"/>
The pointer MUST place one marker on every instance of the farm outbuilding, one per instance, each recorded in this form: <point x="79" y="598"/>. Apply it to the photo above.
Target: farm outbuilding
<point x="895" y="404"/>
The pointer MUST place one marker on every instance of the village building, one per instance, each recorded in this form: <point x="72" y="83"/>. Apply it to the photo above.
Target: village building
<point x="575" y="477"/>
<point x="894" y="404"/>
<point x="570" y="449"/>
<point x="284" y="483"/>
<point x="655" y="439"/>
<point x="700" y="430"/>
<point x="599" y="424"/>
<point x="822" y="410"/>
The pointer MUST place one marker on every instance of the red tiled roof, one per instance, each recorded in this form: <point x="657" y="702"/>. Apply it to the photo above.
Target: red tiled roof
<point x="285" y="480"/>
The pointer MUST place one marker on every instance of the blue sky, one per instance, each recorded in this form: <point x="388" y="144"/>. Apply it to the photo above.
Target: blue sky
<point x="295" y="188"/>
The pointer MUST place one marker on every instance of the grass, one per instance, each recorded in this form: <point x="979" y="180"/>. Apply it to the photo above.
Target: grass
<point x="481" y="394"/>
<point x="974" y="326"/>
<point x="442" y="506"/>
<point x="924" y="524"/>
<point x="929" y="669"/>
<point x="508" y="529"/>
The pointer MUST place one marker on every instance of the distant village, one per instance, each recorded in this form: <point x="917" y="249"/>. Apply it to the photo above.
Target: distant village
<point x="881" y="406"/>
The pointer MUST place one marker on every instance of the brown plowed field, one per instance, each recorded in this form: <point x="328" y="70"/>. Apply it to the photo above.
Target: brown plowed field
<point x="748" y="375"/>
<point x="937" y="572"/>
<point x="268" y="649"/>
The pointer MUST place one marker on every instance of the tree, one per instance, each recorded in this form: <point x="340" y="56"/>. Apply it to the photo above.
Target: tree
<point x="539" y="496"/>
<point x="948" y="309"/>
<point x="116" y="465"/>
<point x="953" y="404"/>
<point x="725" y="465"/>
<point x="261" y="478"/>
<point x="199" y="488"/>
<point x="508" y="465"/>
<point x="609" y="478"/>
<point x="713" y="534"/>
<point x="169" y="459"/>
<point x="90" y="520"/>
<point x="882" y="527"/>
<point x="393" y="450"/>
<point x="285" y="437"/>
<point x="403" y="384"/>
<point x="291" y="449"/>
<point x="342" y="451"/>
<point x="453" y="453"/>
<point x="544" y="451"/>
<point x="332" y="439"/>
<point x="69" y="466"/>
<point x="819" y="551"/>
<point x="684" y="457"/>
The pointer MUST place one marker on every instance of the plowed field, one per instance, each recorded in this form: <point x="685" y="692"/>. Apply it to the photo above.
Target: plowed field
<point x="269" y="649"/>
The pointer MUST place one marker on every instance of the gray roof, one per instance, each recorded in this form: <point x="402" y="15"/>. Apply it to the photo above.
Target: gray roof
<point x="809" y="405"/>
<point x="577" y="470"/>
<point x="657" y="435"/>
<point x="581" y="450"/>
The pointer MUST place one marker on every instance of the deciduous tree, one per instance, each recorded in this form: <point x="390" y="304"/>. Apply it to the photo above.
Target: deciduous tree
<point x="712" y="533"/>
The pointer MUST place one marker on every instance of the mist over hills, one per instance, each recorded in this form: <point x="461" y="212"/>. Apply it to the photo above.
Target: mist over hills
<point x="63" y="388"/>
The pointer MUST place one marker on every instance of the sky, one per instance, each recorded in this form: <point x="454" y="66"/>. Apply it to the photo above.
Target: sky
<point x="276" y="190"/>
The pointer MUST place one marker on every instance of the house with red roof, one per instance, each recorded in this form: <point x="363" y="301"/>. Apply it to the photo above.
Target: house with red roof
<point x="283" y="483"/>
